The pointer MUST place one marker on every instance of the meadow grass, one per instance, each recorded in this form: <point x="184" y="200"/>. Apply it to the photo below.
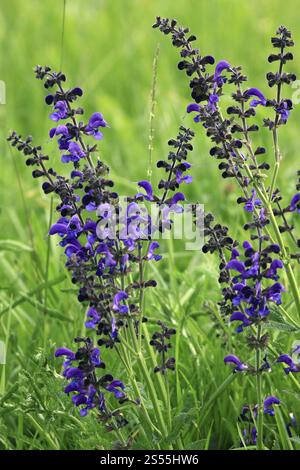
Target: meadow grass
<point x="107" y="48"/>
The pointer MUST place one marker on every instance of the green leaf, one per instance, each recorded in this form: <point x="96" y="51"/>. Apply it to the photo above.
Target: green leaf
<point x="24" y="297"/>
<point x="14" y="245"/>
<point x="196" y="445"/>
<point x="180" y="422"/>
<point x="284" y="327"/>
<point x="295" y="439"/>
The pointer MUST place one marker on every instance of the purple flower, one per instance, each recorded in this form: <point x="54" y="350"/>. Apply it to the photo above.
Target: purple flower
<point x="236" y="265"/>
<point x="272" y="271"/>
<point x="92" y="128"/>
<point x="71" y="372"/>
<point x="284" y="109"/>
<point x="75" y="247"/>
<point x="212" y="100"/>
<point x="115" y="387"/>
<point x="95" y="357"/>
<point x="294" y="205"/>
<point x="177" y="198"/>
<point x="65" y="352"/>
<point x="69" y="230"/>
<point x="273" y="293"/>
<point x="105" y="210"/>
<point x="181" y="178"/>
<point x="84" y="380"/>
<point x="268" y="405"/>
<point x="107" y="261"/>
<point x="148" y="188"/>
<point x="222" y="65"/>
<point x="239" y="366"/>
<point x="74" y="225"/>
<point x="151" y="255"/>
<point x="286" y="359"/>
<point x="258" y="94"/>
<point x="59" y="130"/>
<point x="119" y="297"/>
<point x="239" y="316"/>
<point x="61" y="110"/>
<point x="79" y="399"/>
<point x="194" y="107"/>
<point x="59" y="228"/>
<point x="88" y="401"/>
<point x="75" y="153"/>
<point x="93" y="318"/>
<point x="296" y="349"/>
<point x="76" y="174"/>
<point x="252" y="202"/>
<point x="114" y="330"/>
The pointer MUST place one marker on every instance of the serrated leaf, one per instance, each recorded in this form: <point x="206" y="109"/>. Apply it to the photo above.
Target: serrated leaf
<point x="180" y="422"/>
<point x="275" y="312"/>
<point x="196" y="445"/>
<point x="295" y="439"/>
<point x="287" y="327"/>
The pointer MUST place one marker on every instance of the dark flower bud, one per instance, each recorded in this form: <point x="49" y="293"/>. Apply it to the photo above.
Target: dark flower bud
<point x="47" y="187"/>
<point x="205" y="248"/>
<point x="236" y="128"/>
<point x="162" y="164"/>
<point x="30" y="161"/>
<point x="208" y="60"/>
<point x="250" y="112"/>
<point x="151" y="283"/>
<point x="233" y="110"/>
<point x="253" y="128"/>
<point x="37" y="173"/>
<point x="273" y="57"/>
<point x="49" y="99"/>
<point x="183" y="65"/>
<point x="260" y="151"/>
<point x="223" y="166"/>
<point x="264" y="166"/>
<point x="288" y="56"/>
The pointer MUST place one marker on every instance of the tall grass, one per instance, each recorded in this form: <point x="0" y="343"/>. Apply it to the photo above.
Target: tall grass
<point x="107" y="47"/>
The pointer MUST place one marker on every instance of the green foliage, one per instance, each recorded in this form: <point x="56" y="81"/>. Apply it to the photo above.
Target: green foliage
<point x="108" y="49"/>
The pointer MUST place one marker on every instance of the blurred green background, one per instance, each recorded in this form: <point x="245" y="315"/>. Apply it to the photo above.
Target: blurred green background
<point x="107" y="48"/>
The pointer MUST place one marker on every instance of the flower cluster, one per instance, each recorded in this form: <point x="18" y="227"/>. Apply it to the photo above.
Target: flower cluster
<point x="293" y="363"/>
<point x="250" y="280"/>
<point x="87" y="389"/>
<point x="175" y="167"/>
<point x="247" y="418"/>
<point x="103" y="241"/>
<point x="107" y="244"/>
<point x="160" y="342"/>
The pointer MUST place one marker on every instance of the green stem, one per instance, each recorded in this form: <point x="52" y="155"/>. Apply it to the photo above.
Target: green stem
<point x="135" y="386"/>
<point x="260" y="444"/>
<point x="145" y="372"/>
<point x="141" y="298"/>
<point x="288" y="267"/>
<point x="288" y="316"/>
<point x="151" y="353"/>
<point x="46" y="277"/>
<point x="274" y="178"/>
